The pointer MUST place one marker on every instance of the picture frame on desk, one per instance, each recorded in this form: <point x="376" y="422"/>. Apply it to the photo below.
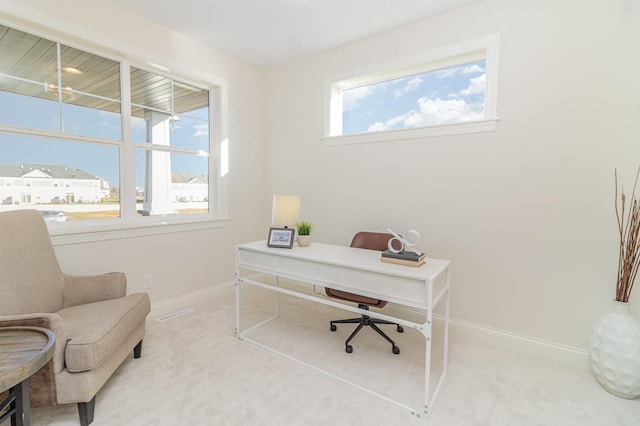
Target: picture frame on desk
<point x="281" y="237"/>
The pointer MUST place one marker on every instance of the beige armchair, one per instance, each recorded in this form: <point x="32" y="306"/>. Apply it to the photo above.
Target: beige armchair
<point x="95" y="323"/>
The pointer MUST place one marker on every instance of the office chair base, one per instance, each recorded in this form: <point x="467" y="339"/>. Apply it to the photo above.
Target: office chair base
<point x="363" y="321"/>
<point x="396" y="350"/>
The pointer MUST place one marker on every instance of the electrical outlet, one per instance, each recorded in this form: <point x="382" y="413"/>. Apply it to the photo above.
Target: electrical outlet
<point x="147" y="281"/>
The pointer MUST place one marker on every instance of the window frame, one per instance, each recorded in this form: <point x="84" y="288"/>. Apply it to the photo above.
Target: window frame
<point x="128" y="224"/>
<point x="486" y="48"/>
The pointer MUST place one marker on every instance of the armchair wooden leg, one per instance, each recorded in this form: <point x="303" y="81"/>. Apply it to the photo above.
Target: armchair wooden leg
<point x="85" y="410"/>
<point x="137" y="351"/>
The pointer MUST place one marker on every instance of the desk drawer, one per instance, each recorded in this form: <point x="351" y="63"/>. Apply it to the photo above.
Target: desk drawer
<point x="385" y="286"/>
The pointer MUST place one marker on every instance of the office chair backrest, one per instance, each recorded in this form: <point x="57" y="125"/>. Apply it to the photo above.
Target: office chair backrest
<point x="371" y="240"/>
<point x="366" y="240"/>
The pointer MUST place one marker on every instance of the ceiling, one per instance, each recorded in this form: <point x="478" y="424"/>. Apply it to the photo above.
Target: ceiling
<point x="267" y="33"/>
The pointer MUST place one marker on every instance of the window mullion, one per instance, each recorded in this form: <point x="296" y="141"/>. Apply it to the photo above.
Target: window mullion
<point x="59" y="83"/>
<point x="127" y="150"/>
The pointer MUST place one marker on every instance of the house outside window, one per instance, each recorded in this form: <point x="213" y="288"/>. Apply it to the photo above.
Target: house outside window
<point x="87" y="188"/>
<point x="74" y="124"/>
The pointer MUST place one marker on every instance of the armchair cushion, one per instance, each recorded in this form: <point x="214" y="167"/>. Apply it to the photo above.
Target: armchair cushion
<point x="98" y="328"/>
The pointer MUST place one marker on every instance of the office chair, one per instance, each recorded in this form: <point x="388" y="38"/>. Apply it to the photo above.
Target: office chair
<point x="371" y="241"/>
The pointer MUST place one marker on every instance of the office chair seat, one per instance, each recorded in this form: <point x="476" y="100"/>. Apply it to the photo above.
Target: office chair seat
<point x="371" y="241"/>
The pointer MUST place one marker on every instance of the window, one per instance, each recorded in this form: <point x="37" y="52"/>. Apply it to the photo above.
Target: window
<point x="452" y="90"/>
<point x="170" y="125"/>
<point x="74" y="124"/>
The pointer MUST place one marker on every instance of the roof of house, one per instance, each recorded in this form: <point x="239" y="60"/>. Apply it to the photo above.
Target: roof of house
<point x="51" y="171"/>
<point x="188" y="178"/>
<point x="45" y="171"/>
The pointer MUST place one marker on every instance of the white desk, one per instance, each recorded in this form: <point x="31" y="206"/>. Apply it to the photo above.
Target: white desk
<point x="357" y="271"/>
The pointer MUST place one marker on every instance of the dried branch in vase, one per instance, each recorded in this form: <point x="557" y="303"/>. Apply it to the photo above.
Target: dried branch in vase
<point x="629" y="229"/>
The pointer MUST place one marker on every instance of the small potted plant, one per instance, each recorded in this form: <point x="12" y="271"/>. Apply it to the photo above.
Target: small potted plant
<point x="304" y="233"/>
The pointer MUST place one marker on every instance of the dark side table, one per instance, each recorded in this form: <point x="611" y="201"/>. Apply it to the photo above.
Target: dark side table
<point x="23" y="351"/>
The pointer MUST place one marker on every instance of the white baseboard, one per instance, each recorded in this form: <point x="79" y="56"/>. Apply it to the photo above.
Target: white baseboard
<point x="563" y="355"/>
<point x="560" y="354"/>
<point x="170" y="306"/>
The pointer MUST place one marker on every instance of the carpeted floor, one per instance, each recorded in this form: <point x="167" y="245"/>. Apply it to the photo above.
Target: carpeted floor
<point x="193" y="371"/>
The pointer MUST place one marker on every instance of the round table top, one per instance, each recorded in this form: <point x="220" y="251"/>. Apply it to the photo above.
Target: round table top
<point x="23" y="351"/>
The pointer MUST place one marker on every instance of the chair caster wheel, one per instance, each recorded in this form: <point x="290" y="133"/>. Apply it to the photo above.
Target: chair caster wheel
<point x="349" y="349"/>
<point x="333" y="327"/>
<point x="400" y="329"/>
<point x="395" y="350"/>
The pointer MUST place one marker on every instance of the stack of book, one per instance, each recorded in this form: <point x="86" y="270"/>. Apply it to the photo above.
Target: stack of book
<point x="405" y="257"/>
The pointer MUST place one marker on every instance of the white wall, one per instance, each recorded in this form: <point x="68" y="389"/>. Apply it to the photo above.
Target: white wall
<point x="526" y="213"/>
<point x="181" y="263"/>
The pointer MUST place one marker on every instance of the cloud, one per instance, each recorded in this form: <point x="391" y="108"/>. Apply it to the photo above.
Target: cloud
<point x="377" y="127"/>
<point x="351" y="97"/>
<point x="475" y="68"/>
<point x="476" y="85"/>
<point x="447" y="72"/>
<point x="433" y="112"/>
<point x="462" y="69"/>
<point x="411" y="85"/>
<point x="201" y="130"/>
<point x="443" y="106"/>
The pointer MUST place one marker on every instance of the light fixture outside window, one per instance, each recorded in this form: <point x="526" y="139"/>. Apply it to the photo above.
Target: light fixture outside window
<point x="72" y="70"/>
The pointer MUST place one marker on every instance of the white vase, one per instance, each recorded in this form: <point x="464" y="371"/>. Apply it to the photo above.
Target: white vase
<point x="304" y="240"/>
<point x="615" y="352"/>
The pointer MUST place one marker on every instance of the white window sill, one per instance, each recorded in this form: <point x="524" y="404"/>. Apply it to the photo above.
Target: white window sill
<point x="487" y="125"/>
<point x="79" y="235"/>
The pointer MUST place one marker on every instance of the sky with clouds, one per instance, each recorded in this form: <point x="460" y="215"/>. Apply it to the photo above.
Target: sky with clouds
<point x="451" y="95"/>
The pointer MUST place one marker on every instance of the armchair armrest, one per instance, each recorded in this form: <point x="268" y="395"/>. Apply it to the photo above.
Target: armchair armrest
<point x="82" y="289"/>
<point x="52" y="322"/>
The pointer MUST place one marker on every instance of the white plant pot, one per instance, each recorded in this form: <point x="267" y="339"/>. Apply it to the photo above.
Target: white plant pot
<point x="304" y="240"/>
<point x="615" y="352"/>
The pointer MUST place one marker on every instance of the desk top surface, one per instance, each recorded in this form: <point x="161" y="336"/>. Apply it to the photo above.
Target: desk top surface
<point x="352" y="258"/>
<point x="23" y="351"/>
